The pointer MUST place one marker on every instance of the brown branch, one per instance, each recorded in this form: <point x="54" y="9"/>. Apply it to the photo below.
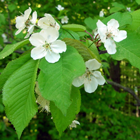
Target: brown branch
<point x="102" y="52"/>
<point x="126" y="89"/>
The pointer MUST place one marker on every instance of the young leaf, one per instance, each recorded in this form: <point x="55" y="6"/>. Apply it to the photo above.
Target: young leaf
<point x="18" y="95"/>
<point x="81" y="48"/>
<point x="74" y="27"/>
<point x="63" y="121"/>
<point x="11" y="48"/>
<point x="55" y="79"/>
<point x="136" y="21"/>
<point x="122" y="18"/>
<point x="129" y="49"/>
<point x="12" y="67"/>
<point x="91" y="23"/>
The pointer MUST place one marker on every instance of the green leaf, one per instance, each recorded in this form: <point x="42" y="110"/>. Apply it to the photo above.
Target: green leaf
<point x="91" y="23"/>
<point x="18" y="95"/>
<point x="11" y="48"/>
<point x="55" y="79"/>
<point x="93" y="48"/>
<point x="63" y="121"/>
<point x="74" y="27"/>
<point x="12" y="7"/>
<point x="12" y="67"/>
<point x="122" y="18"/>
<point x="2" y="19"/>
<point x="85" y="52"/>
<point x="117" y="7"/>
<point x="129" y="49"/>
<point x="138" y="1"/>
<point x="69" y="34"/>
<point x="136" y="20"/>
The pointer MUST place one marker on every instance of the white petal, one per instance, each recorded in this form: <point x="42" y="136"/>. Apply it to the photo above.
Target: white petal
<point x="19" y="30"/>
<point x="57" y="26"/>
<point x="102" y="30"/>
<point x="34" y="17"/>
<point x="120" y="36"/>
<point x="101" y="14"/>
<point x="50" y="34"/>
<point x="30" y="30"/>
<point x="52" y="57"/>
<point x="58" y="46"/>
<point x="38" y="52"/>
<point x="92" y="64"/>
<point x="20" y="22"/>
<point x="77" y="82"/>
<point x="90" y="85"/>
<point x="27" y="13"/>
<point x="110" y="46"/>
<point x="113" y="24"/>
<point x="99" y="77"/>
<point x="46" y="21"/>
<point x="37" y="40"/>
<point x="76" y="122"/>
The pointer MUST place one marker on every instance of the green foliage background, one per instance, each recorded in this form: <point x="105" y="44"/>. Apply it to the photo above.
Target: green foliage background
<point x="105" y="114"/>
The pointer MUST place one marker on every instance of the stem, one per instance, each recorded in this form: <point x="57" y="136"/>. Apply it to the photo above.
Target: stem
<point x="89" y="34"/>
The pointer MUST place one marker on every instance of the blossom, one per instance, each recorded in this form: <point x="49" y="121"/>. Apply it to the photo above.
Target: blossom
<point x="32" y="24"/>
<point x="64" y="20"/>
<point x="48" y="21"/>
<point x="59" y="8"/>
<point x="101" y="14"/>
<point x="110" y="33"/>
<point x="74" y="123"/>
<point x="24" y="21"/>
<point x="91" y="79"/>
<point x="4" y="37"/>
<point x="128" y="9"/>
<point x="47" y="45"/>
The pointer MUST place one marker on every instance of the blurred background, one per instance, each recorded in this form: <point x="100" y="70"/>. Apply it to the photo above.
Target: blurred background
<point x="110" y="113"/>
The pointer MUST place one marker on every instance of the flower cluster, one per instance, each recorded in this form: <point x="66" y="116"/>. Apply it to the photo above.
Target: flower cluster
<point x="110" y="33"/>
<point x="91" y="79"/>
<point x="45" y="42"/>
<point x="73" y="124"/>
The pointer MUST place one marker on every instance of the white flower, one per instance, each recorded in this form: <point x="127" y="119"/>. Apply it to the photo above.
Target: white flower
<point x="91" y="79"/>
<point x="44" y="104"/>
<point x="101" y="14"/>
<point x="74" y="123"/>
<point x="2" y="0"/>
<point x="4" y="37"/>
<point x="59" y="8"/>
<point x="33" y="23"/>
<point x="109" y="34"/>
<point x="48" y="21"/>
<point x="128" y="9"/>
<point x="64" y="20"/>
<point x="46" y="45"/>
<point x="24" y="21"/>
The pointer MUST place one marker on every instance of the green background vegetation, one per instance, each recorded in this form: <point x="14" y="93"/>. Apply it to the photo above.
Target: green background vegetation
<point x="107" y="114"/>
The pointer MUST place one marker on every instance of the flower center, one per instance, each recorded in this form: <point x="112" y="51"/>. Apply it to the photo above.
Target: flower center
<point x="88" y="74"/>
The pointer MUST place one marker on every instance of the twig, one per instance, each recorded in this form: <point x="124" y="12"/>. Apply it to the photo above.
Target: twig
<point x="126" y="89"/>
<point x="89" y="34"/>
<point x="102" y="52"/>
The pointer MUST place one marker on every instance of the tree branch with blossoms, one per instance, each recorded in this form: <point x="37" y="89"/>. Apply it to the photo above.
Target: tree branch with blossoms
<point x="58" y="64"/>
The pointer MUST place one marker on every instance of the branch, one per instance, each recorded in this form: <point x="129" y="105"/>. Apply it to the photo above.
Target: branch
<point x="126" y="89"/>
